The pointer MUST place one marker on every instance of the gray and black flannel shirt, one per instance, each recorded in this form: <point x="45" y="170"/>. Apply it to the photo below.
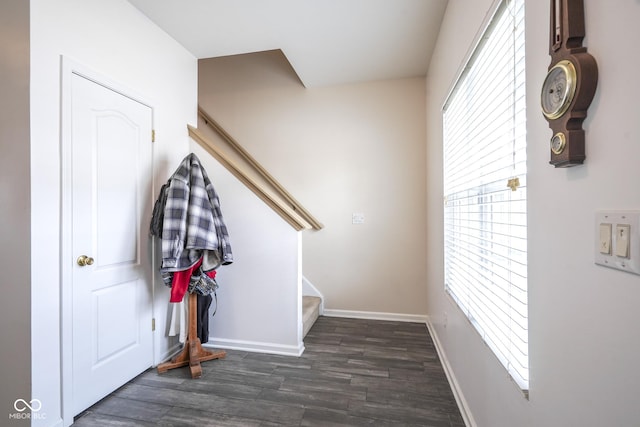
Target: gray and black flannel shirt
<point x="192" y="223"/>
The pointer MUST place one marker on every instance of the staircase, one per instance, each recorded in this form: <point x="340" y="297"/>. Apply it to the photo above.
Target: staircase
<point x="218" y="143"/>
<point x="310" y="312"/>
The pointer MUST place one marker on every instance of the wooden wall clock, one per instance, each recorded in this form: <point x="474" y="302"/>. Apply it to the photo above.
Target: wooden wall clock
<point x="570" y="84"/>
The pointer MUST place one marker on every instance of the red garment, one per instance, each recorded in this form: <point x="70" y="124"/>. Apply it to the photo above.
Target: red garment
<point x="180" y="282"/>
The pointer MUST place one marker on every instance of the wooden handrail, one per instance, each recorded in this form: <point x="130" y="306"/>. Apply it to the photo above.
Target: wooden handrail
<point x="288" y="214"/>
<point x="281" y="191"/>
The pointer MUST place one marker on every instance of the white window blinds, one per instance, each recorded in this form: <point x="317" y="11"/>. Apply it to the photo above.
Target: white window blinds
<point x="485" y="220"/>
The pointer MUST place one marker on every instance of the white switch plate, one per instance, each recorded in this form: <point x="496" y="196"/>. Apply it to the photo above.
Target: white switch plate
<point x="619" y="221"/>
<point x="357" y="218"/>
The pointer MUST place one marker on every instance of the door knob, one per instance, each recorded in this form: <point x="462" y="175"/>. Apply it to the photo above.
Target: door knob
<point x="84" y="260"/>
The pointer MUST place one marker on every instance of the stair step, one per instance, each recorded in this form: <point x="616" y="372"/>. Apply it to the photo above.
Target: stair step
<point x="310" y="312"/>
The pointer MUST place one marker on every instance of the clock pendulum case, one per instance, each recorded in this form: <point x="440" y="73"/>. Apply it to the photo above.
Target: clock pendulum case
<point x="570" y="84"/>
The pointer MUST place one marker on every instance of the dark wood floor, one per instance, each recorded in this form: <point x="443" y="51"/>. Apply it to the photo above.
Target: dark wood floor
<point x="353" y="373"/>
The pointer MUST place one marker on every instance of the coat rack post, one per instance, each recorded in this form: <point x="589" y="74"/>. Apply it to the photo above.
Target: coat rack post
<point x="192" y="353"/>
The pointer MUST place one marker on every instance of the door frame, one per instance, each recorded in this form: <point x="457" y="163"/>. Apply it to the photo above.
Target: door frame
<point x="69" y="68"/>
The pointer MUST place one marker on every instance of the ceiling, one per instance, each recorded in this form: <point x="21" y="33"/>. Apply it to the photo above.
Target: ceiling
<point x="327" y="42"/>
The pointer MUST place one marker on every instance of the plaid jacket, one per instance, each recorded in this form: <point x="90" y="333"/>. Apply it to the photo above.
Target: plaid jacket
<point x="192" y="224"/>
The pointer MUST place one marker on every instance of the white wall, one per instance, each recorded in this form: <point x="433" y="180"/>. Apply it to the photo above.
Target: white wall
<point x="115" y="40"/>
<point x="259" y="299"/>
<point x="583" y="331"/>
<point x="15" y="257"/>
<point x="340" y="150"/>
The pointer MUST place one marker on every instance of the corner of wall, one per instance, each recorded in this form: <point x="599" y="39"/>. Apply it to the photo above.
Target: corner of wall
<point x="15" y="207"/>
<point x="458" y="393"/>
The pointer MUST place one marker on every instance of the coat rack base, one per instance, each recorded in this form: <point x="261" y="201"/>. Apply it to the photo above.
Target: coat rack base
<point x="192" y="354"/>
<point x="194" y="361"/>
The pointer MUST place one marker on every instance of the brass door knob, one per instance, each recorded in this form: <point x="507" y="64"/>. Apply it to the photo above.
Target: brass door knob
<point x="84" y="260"/>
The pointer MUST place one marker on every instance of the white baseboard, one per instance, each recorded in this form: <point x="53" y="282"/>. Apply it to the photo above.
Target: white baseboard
<point x="465" y="411"/>
<point x="256" y="347"/>
<point x="59" y="422"/>
<point x="372" y="315"/>
<point x="172" y="351"/>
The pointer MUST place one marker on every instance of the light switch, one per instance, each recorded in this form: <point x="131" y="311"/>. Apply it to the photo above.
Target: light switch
<point x="605" y="239"/>
<point x="622" y="240"/>
<point x="616" y="242"/>
<point x="357" y="218"/>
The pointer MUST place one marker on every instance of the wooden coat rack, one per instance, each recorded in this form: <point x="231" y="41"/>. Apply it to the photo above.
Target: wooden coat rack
<point x="192" y="353"/>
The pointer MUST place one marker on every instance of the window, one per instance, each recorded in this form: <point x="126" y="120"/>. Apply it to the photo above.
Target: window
<point x="485" y="214"/>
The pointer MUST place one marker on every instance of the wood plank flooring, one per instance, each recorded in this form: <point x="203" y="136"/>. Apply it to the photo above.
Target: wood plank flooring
<point x="353" y="373"/>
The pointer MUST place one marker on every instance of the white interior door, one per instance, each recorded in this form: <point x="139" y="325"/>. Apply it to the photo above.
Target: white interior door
<point x="111" y="199"/>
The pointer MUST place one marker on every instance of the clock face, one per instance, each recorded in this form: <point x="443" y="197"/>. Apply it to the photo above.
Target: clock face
<point x="558" y="89"/>
<point x="558" y="142"/>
